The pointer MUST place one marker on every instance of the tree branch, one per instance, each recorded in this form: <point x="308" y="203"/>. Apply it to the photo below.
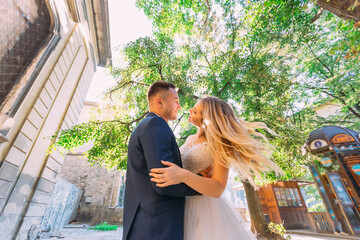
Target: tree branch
<point x="353" y="112"/>
<point x="317" y="15"/>
<point x="127" y="83"/>
<point x="208" y="5"/>
<point x="331" y="122"/>
<point x="160" y="72"/>
<point x="182" y="93"/>
<point x="341" y="100"/>
<point x="227" y="84"/>
<point x="317" y="58"/>
<point x="179" y="121"/>
<point x="125" y="123"/>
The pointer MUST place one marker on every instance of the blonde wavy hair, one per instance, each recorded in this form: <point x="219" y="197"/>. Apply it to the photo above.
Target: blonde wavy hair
<point x="230" y="142"/>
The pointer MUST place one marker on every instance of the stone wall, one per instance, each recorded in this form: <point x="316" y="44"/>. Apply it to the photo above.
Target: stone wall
<point x="52" y="102"/>
<point x="100" y="188"/>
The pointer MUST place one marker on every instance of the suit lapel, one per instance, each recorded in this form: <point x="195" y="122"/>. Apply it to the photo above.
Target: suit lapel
<point x="178" y="152"/>
<point x="179" y="162"/>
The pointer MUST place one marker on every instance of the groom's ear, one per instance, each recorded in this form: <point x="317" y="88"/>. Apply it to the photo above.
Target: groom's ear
<point x="158" y="101"/>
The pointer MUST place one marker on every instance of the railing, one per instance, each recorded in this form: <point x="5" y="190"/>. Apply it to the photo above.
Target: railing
<point x="320" y="222"/>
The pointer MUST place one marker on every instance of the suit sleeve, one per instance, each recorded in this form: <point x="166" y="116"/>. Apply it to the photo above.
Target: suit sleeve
<point x="157" y="146"/>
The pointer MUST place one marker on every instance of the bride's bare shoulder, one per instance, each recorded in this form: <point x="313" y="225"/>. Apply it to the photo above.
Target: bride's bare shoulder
<point x="193" y="139"/>
<point x="190" y="139"/>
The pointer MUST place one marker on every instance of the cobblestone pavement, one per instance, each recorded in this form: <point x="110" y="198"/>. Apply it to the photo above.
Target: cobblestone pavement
<point x="81" y="233"/>
<point x="304" y="237"/>
<point x="307" y="235"/>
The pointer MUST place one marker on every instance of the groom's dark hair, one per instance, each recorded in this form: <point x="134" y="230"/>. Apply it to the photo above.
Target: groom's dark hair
<point x="157" y="87"/>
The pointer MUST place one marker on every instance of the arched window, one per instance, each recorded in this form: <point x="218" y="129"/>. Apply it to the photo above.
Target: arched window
<point x="24" y="29"/>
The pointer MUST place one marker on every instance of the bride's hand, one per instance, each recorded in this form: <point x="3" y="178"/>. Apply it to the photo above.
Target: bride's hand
<point x="171" y="175"/>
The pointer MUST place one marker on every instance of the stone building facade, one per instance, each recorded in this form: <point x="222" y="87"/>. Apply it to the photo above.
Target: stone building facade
<point x="48" y="54"/>
<point x="327" y="109"/>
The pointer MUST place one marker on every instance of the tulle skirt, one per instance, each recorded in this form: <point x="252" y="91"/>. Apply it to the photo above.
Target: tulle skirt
<point x="208" y="218"/>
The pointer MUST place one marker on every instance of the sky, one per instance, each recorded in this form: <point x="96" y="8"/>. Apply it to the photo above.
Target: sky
<point x="127" y="23"/>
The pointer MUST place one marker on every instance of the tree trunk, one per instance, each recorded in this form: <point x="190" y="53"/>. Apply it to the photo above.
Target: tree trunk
<point x="341" y="8"/>
<point x="258" y="221"/>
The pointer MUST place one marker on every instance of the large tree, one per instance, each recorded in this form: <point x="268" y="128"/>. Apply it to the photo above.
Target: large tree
<point x="347" y="9"/>
<point x="262" y="57"/>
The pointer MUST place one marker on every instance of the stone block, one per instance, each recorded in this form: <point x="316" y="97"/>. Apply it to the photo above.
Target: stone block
<point x="53" y="164"/>
<point x="69" y="52"/>
<point x="15" y="156"/>
<point x="22" y="142"/>
<point x="45" y="185"/>
<point x="41" y="197"/>
<point x="8" y="171"/>
<point x="65" y="125"/>
<point x="77" y="45"/>
<point x="35" y="118"/>
<point x="66" y="57"/>
<point x="63" y="65"/>
<point x="57" y="156"/>
<point x="35" y="210"/>
<point x="74" y="46"/>
<point x="90" y="71"/>
<point x="40" y="108"/>
<point x="45" y="98"/>
<point x="71" y="114"/>
<point x="76" y="38"/>
<point x="30" y="129"/>
<point x="81" y="89"/>
<point x="76" y="113"/>
<point x="77" y="103"/>
<point x="4" y="188"/>
<point x="88" y="76"/>
<point x="54" y="80"/>
<point x="50" y="89"/>
<point x="59" y="73"/>
<point x="49" y="174"/>
<point x="70" y="122"/>
<point x="81" y="101"/>
<point x="84" y="87"/>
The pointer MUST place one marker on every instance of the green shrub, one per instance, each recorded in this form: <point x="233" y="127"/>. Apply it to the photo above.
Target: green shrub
<point x="103" y="227"/>
<point x="278" y="229"/>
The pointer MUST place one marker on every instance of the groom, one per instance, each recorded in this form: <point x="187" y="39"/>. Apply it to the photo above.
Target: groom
<point x="151" y="212"/>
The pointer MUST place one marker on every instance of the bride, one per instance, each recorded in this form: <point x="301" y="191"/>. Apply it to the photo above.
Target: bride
<point x="222" y="141"/>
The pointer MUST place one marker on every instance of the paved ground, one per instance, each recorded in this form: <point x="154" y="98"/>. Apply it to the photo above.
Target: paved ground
<point x="307" y="237"/>
<point x="81" y="233"/>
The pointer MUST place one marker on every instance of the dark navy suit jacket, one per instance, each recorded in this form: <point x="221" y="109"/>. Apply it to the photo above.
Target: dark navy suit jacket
<point x="151" y="212"/>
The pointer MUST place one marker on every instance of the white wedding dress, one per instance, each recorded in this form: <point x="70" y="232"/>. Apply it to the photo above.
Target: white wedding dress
<point x="209" y="218"/>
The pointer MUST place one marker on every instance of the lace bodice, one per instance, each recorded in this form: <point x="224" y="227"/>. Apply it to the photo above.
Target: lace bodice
<point x="195" y="157"/>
